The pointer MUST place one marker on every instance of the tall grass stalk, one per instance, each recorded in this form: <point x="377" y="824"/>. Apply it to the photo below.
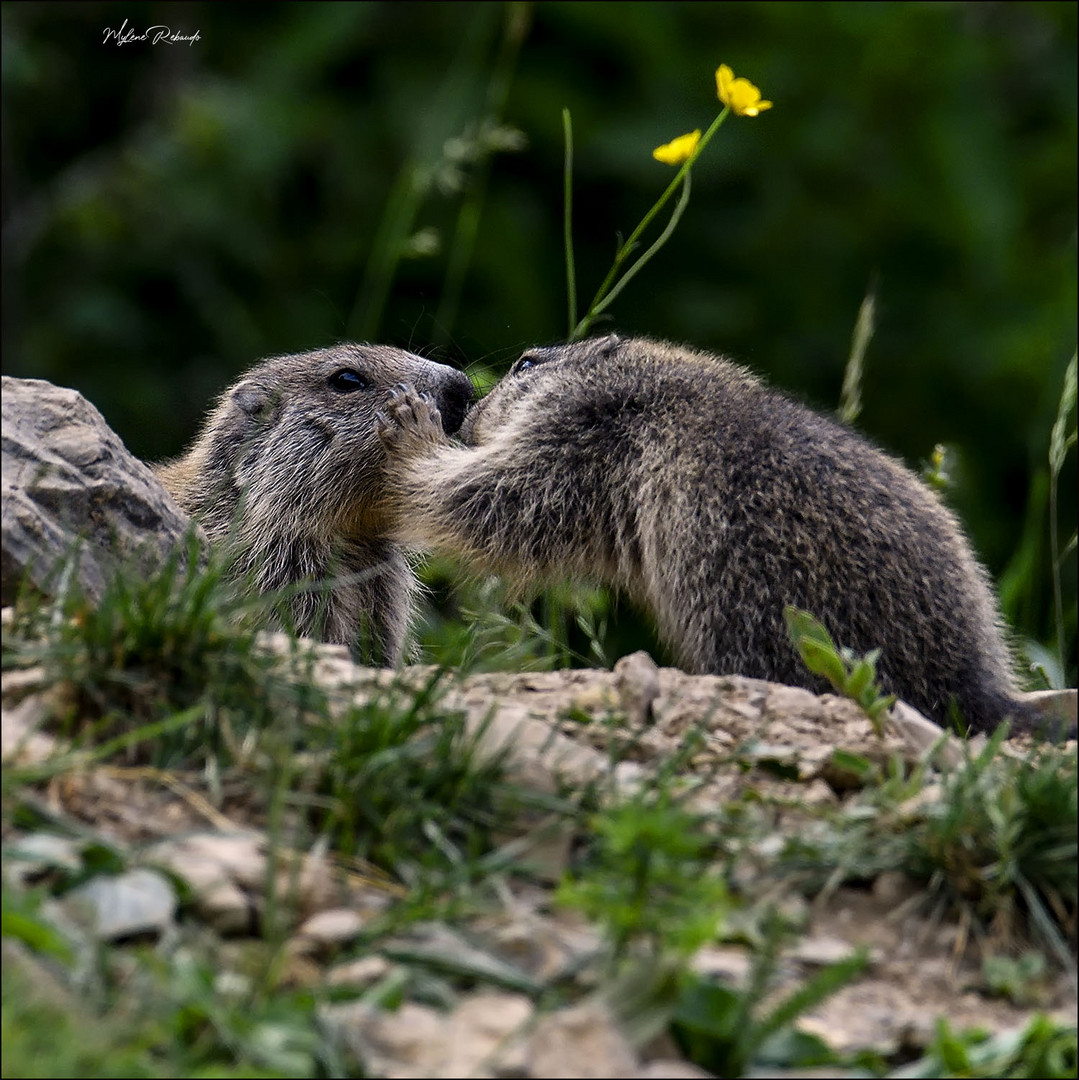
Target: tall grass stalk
<point x="850" y="402"/>
<point x="1059" y="443"/>
<point x="514" y="30"/>
<point x="416" y="180"/>
<point x="571" y="272"/>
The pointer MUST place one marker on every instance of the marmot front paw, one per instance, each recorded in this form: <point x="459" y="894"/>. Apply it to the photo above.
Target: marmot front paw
<point x="411" y="422"/>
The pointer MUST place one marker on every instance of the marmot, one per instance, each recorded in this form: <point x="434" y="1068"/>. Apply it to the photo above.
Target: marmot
<point x="288" y="470"/>
<point x="713" y="501"/>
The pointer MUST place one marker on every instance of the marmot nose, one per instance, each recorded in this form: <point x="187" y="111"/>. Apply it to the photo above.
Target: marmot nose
<point x="453" y="398"/>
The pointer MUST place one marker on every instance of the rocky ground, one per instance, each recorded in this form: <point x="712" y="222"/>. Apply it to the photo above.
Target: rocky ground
<point x="785" y="745"/>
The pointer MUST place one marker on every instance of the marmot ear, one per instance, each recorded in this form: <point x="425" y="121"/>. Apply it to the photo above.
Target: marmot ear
<point x="607" y="345"/>
<point x="251" y="398"/>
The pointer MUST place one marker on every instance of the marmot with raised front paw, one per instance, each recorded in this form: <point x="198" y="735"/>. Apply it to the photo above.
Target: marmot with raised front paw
<point x="288" y="470"/>
<point x="713" y="501"/>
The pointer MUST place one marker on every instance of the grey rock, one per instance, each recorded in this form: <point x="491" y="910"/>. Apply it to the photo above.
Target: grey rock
<point x="136" y="902"/>
<point x="1057" y="706"/>
<point x="33" y="855"/>
<point x="583" y="1040"/>
<point x="227" y="873"/>
<point x="66" y="474"/>
<point x="636" y="679"/>
<point x="671" y="1069"/>
<point x="479" y="1038"/>
<point x="326" y="930"/>
<point x="387" y="1043"/>
<point x="359" y="974"/>
<point x="20" y="741"/>
<point x="484" y="1036"/>
<point x="215" y="866"/>
<point x="820" y="950"/>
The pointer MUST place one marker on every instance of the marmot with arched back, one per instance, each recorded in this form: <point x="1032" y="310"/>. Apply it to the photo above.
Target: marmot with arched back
<point x="713" y="501"/>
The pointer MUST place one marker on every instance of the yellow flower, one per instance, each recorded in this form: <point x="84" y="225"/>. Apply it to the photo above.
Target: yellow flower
<point x="678" y="150"/>
<point x="742" y="97"/>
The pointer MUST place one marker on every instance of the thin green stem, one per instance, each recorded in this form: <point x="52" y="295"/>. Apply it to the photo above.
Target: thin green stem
<point x="626" y="249"/>
<point x="663" y="238"/>
<point x="406" y="197"/>
<point x="1054" y="554"/>
<point x="413" y="183"/>
<point x="1059" y="442"/>
<point x="571" y="272"/>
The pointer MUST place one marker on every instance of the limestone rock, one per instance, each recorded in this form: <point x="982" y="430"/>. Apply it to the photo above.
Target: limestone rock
<point x="387" y="1043"/>
<point x="479" y="1038"/>
<point x="582" y="1040"/>
<point x="139" y="901"/>
<point x="636" y="678"/>
<point x="213" y="866"/>
<point x="66" y="474"/>
<point x="325" y="930"/>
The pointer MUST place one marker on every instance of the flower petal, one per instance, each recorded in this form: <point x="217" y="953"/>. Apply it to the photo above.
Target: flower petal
<point x="724" y="78"/>
<point x="739" y="95"/>
<point x="678" y="150"/>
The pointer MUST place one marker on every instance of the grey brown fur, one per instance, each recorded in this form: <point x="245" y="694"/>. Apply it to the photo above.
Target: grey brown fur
<point x="288" y="469"/>
<point x="712" y="501"/>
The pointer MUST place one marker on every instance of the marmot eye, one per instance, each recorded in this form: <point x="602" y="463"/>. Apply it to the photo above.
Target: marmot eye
<point x="527" y="362"/>
<point x="346" y="380"/>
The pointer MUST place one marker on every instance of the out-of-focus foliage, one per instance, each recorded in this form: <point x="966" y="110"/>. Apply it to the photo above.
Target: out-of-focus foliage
<point x="305" y="173"/>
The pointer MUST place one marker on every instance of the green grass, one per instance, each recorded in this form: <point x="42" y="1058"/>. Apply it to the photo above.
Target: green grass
<point x="993" y="842"/>
<point x="853" y="676"/>
<point x="176" y="643"/>
<point x="391" y="770"/>
<point x="728" y="1031"/>
<point x="473" y="625"/>
<point x="154" y="1017"/>
<point x="648" y="878"/>
<point x="1001" y="842"/>
<point x="166" y="670"/>
<point x="1041" y="1048"/>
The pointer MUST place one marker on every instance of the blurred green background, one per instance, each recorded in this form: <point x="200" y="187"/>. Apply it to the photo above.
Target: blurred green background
<point x="307" y="173"/>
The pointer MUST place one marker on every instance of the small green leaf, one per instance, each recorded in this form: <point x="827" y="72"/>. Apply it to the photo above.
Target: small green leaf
<point x="37" y="935"/>
<point x="802" y="625"/>
<point x="860" y="681"/>
<point x="822" y="660"/>
<point x="855" y="764"/>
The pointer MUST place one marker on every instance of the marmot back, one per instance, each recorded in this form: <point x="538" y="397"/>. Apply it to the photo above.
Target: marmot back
<point x="713" y="501"/>
<point x="288" y="469"/>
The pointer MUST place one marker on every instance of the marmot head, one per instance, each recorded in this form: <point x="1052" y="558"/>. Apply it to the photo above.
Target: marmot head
<point x="296" y="435"/>
<point x="594" y="370"/>
<point x="535" y="372"/>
